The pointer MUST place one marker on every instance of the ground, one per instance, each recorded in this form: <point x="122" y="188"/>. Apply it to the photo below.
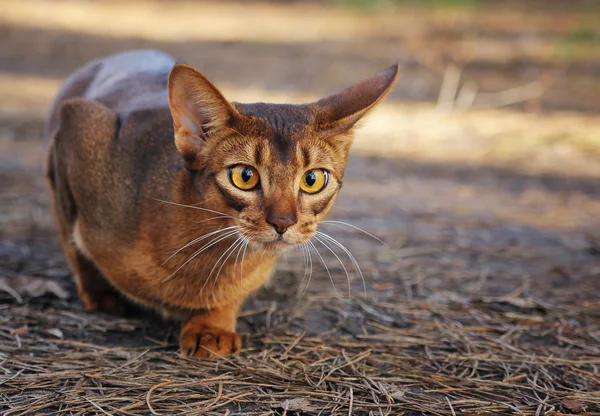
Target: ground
<point x="484" y="297"/>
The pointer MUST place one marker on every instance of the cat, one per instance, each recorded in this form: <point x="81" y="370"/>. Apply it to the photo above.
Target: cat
<point x="169" y="194"/>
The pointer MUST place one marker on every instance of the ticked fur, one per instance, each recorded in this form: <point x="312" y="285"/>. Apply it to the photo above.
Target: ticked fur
<point x="140" y="162"/>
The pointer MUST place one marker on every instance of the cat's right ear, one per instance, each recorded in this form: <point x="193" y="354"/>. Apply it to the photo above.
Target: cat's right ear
<point x="198" y="108"/>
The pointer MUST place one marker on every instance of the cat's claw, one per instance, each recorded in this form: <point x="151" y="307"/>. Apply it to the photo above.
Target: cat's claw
<point x="209" y="343"/>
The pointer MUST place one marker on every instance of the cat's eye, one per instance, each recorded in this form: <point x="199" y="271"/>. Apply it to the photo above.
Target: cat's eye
<point x="314" y="180"/>
<point x="244" y="177"/>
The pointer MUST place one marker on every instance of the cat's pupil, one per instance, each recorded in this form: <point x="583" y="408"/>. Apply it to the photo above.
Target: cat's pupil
<point x="311" y="178"/>
<point x="246" y="174"/>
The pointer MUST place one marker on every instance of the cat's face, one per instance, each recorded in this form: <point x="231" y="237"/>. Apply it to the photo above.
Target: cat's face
<point x="274" y="174"/>
<point x="275" y="169"/>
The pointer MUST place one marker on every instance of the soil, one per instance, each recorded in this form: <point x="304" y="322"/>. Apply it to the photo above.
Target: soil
<point x="485" y="267"/>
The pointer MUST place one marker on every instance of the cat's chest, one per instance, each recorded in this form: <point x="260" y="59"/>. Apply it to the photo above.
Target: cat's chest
<point x="191" y="281"/>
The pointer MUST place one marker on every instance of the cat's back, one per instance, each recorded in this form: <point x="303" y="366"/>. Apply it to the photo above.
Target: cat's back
<point x="132" y="81"/>
<point x="124" y="83"/>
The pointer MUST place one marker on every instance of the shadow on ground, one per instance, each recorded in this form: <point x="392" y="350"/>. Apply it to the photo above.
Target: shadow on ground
<point x="483" y="299"/>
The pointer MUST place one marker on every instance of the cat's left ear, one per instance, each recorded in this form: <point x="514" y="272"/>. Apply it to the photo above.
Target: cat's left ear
<point x="338" y="113"/>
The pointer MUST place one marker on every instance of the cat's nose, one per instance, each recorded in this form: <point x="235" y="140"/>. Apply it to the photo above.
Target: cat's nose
<point x="281" y="224"/>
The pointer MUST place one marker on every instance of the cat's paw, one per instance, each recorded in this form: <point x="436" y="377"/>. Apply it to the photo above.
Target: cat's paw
<point x="208" y="342"/>
<point x="105" y="301"/>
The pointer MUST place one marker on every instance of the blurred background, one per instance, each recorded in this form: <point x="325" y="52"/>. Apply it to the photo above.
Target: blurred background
<point x="480" y="172"/>
<point x="461" y="61"/>
<point x="494" y="121"/>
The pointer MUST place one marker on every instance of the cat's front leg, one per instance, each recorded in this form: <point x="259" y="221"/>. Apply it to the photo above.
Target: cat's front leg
<point x="211" y="334"/>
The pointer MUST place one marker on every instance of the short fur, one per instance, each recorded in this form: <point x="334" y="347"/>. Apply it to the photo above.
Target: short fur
<point x="137" y="142"/>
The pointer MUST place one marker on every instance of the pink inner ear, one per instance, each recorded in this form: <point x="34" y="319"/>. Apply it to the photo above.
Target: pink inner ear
<point x="339" y="112"/>
<point x="192" y="123"/>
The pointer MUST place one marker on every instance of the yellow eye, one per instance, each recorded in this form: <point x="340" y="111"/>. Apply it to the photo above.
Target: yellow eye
<point x="314" y="180"/>
<point x="243" y="177"/>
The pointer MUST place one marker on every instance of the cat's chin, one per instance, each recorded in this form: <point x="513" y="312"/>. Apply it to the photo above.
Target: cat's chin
<point x="275" y="246"/>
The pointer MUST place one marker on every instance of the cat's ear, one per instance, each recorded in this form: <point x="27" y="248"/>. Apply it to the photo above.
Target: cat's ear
<point x="198" y="108"/>
<point x="338" y="113"/>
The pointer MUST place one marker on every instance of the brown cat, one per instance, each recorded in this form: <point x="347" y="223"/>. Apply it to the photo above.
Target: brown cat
<point x="181" y="200"/>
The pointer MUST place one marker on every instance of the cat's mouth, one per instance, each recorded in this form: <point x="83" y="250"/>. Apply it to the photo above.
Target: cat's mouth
<point x="275" y="243"/>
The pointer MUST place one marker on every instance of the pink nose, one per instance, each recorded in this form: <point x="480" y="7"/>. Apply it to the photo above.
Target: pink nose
<point x="281" y="224"/>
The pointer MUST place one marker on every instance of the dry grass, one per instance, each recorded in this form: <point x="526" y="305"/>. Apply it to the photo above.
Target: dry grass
<point x="440" y="359"/>
<point x="484" y="301"/>
<point x="449" y="325"/>
<point x="566" y="143"/>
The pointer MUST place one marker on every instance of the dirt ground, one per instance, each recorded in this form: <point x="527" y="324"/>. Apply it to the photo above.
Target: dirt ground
<point x="484" y="297"/>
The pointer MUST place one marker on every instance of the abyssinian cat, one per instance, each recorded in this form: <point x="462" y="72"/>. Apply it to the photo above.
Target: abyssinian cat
<point x="168" y="193"/>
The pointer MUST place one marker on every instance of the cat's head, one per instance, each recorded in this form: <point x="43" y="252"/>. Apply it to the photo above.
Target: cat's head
<point x="275" y="168"/>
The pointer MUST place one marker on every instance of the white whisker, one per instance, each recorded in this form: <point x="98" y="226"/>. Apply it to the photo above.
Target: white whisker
<point x="310" y="245"/>
<point x="213" y="218"/>
<point x="230" y="250"/>
<point x="263" y="253"/>
<point x="350" y="256"/>
<point x="237" y="256"/>
<point x="194" y="207"/>
<point x="342" y="223"/>
<point x="242" y="264"/>
<point x="206" y="201"/>
<point x="243" y="258"/>
<point x="305" y="259"/>
<point x="322" y="261"/>
<point x="338" y="258"/>
<point x="203" y="248"/>
<point x="197" y="240"/>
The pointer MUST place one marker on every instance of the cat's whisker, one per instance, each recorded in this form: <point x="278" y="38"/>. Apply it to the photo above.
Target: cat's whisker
<point x="205" y="247"/>
<point x="197" y="240"/>
<point x="237" y="256"/>
<point x="237" y="243"/>
<point x="242" y="265"/>
<point x="213" y="242"/>
<point x="213" y="218"/>
<point x="309" y="255"/>
<point x="350" y="256"/>
<point x="206" y="201"/>
<point x="194" y="207"/>
<point x="263" y="253"/>
<point x="305" y="259"/>
<point x="243" y="258"/>
<point x="322" y="261"/>
<point x="337" y="206"/>
<point x="342" y="223"/>
<point x="340" y="260"/>
<point x="302" y="247"/>
<point x="229" y="250"/>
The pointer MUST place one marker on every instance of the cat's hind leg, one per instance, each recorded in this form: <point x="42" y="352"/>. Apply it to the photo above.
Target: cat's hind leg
<point x="95" y="292"/>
